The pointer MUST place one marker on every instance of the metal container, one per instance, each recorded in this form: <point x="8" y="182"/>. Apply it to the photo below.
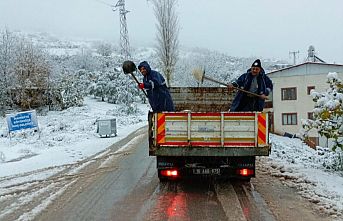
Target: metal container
<point x="107" y="127"/>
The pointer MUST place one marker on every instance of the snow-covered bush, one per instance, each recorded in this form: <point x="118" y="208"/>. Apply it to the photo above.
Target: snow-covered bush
<point x="130" y="109"/>
<point x="328" y="112"/>
<point x="71" y="92"/>
<point x="330" y="160"/>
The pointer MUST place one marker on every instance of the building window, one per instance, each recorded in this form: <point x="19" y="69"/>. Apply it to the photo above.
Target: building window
<point x="309" y="88"/>
<point x="289" y="93"/>
<point x="289" y="119"/>
<point x="310" y="115"/>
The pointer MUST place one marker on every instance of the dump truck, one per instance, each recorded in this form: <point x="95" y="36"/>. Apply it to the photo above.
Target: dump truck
<point x="202" y="138"/>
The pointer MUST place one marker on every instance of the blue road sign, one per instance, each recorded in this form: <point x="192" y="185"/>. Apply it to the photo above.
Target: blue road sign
<point x="22" y="120"/>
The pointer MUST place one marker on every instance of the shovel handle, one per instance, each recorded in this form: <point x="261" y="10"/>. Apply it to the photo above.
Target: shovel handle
<point x="237" y="88"/>
<point x="248" y="92"/>
<point x="213" y="80"/>
<point x="134" y="77"/>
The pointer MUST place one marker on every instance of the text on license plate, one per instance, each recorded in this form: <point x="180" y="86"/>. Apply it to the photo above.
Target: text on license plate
<point x="215" y="171"/>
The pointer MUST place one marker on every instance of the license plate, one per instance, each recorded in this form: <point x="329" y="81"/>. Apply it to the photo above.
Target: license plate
<point x="206" y="171"/>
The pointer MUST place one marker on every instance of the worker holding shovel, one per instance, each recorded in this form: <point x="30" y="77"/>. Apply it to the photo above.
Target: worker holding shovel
<point x="253" y="87"/>
<point x="155" y="86"/>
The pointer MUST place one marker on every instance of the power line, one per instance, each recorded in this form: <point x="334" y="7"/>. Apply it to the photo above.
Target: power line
<point x="105" y="3"/>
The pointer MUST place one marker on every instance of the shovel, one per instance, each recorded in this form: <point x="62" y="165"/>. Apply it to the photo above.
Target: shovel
<point x="129" y="67"/>
<point x="199" y="75"/>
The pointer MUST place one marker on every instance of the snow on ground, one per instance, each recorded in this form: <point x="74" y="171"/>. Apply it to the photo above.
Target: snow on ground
<point x="65" y="137"/>
<point x="70" y="136"/>
<point x="32" y="163"/>
<point x="310" y="171"/>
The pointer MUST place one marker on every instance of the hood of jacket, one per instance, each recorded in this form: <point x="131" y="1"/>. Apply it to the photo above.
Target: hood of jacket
<point x="145" y="65"/>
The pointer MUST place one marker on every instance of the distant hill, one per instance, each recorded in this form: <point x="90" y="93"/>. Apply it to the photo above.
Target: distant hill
<point x="217" y="65"/>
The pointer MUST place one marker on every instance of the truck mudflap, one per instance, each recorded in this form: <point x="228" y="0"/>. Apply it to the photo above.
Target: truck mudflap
<point x="208" y="134"/>
<point x="220" y="167"/>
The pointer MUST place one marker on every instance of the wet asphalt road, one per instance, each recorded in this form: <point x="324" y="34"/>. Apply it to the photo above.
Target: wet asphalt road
<point x="130" y="190"/>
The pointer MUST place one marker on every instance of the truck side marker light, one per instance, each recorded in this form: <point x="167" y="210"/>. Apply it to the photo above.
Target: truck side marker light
<point x="169" y="173"/>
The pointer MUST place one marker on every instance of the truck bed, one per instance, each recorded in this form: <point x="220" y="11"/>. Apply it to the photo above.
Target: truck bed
<point x="202" y="126"/>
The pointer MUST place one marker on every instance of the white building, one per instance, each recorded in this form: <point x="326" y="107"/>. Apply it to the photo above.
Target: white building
<point x="291" y="95"/>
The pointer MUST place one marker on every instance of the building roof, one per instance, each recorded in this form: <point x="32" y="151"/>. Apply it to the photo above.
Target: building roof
<point x="323" y="67"/>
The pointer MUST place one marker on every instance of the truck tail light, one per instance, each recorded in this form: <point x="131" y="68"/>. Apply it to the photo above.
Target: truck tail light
<point x="245" y="172"/>
<point x="170" y="173"/>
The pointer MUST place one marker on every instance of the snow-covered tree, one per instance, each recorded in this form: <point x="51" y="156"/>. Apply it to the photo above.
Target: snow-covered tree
<point x="104" y="49"/>
<point x="114" y="87"/>
<point x="84" y="79"/>
<point x="31" y="75"/>
<point x="328" y="112"/>
<point x="71" y="91"/>
<point x="100" y="87"/>
<point x="7" y="60"/>
<point x="167" y="35"/>
<point x="83" y="60"/>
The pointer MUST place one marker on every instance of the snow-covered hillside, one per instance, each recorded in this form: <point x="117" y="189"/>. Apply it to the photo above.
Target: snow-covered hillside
<point x="217" y="65"/>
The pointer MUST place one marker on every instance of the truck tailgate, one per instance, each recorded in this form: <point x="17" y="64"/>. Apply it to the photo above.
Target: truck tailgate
<point x="208" y="134"/>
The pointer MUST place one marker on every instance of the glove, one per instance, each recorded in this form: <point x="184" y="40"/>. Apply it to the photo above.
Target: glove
<point x="141" y="85"/>
<point x="230" y="87"/>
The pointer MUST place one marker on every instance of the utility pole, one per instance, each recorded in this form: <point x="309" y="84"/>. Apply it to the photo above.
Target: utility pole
<point x="294" y="54"/>
<point x="124" y="35"/>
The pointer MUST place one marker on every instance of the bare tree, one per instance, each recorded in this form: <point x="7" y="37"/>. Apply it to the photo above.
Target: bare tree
<point x="32" y="72"/>
<point x="167" y="35"/>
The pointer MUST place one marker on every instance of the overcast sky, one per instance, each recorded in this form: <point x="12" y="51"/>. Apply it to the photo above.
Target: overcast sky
<point x="263" y="28"/>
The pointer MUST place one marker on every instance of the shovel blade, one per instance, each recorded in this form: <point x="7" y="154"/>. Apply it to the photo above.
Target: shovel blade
<point x="129" y="67"/>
